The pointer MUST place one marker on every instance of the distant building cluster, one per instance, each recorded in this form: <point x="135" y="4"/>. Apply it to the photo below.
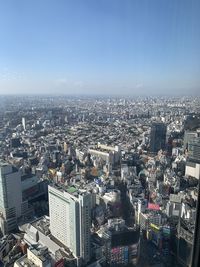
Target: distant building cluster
<point x="98" y="181"/>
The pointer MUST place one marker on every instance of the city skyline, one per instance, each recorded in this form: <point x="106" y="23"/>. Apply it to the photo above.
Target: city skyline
<point x="100" y="47"/>
<point x="99" y="181"/>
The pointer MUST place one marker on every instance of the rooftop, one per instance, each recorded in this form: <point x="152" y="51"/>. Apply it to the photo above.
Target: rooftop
<point x="72" y="190"/>
<point x="24" y="261"/>
<point x="41" y="253"/>
<point x="3" y="163"/>
<point x="43" y="225"/>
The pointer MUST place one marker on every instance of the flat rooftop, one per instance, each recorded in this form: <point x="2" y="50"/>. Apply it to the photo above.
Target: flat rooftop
<point x="42" y="224"/>
<point x="72" y="190"/>
<point x="3" y="163"/>
<point x="24" y="261"/>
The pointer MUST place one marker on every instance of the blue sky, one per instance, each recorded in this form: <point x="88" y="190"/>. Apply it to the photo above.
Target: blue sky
<point x="100" y="46"/>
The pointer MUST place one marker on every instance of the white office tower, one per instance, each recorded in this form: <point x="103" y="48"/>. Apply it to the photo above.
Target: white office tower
<point x="24" y="123"/>
<point x="10" y="197"/>
<point x="70" y="219"/>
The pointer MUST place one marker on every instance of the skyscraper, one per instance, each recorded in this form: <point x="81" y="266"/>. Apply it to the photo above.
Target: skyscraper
<point x="193" y="160"/>
<point x="157" y="137"/>
<point x="189" y="136"/>
<point x="194" y="150"/>
<point x="24" y="123"/>
<point x="69" y="211"/>
<point x="10" y="197"/>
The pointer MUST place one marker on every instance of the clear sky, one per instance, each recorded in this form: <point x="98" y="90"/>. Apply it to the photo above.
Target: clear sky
<point x="100" y="46"/>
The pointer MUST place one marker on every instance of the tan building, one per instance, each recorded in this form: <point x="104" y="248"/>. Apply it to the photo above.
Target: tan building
<point x="35" y="258"/>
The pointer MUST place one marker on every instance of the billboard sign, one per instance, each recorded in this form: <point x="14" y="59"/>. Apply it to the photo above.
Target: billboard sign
<point x="152" y="206"/>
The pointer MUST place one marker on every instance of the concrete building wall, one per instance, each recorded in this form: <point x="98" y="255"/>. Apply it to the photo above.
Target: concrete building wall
<point x="10" y="197"/>
<point x="70" y="220"/>
<point x="193" y="169"/>
<point x="59" y="216"/>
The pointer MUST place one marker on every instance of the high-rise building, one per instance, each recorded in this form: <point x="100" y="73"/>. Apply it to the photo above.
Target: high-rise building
<point x="69" y="211"/>
<point x="10" y="197"/>
<point x="194" y="150"/>
<point x="189" y="136"/>
<point x="122" y="243"/>
<point x="157" y="137"/>
<point x="185" y="242"/>
<point x="24" y="123"/>
<point x="193" y="161"/>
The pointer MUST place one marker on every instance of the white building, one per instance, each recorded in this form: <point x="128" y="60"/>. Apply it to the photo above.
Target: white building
<point x="111" y="155"/>
<point x="70" y="221"/>
<point x="10" y="197"/>
<point x="38" y="235"/>
<point x="24" y="123"/>
<point x="173" y="207"/>
<point x="192" y="169"/>
<point x="35" y="257"/>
